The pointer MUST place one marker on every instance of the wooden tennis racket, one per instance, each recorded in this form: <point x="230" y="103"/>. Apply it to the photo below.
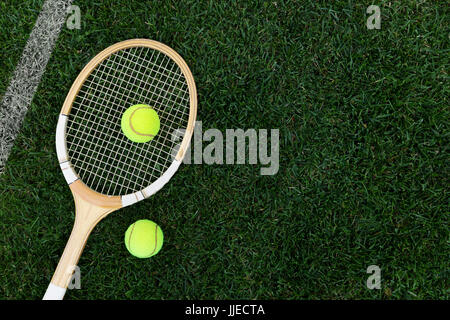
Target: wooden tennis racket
<point x="104" y="169"/>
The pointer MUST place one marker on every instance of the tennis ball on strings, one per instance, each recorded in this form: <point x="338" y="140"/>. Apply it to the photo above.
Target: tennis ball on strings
<point x="140" y="123"/>
<point x="144" y="238"/>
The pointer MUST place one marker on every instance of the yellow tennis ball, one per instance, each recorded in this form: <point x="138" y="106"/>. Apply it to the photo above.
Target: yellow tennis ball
<point x="140" y="123"/>
<point x="144" y="238"/>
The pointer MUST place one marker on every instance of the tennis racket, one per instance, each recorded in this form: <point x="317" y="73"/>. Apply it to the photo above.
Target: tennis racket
<point x="104" y="169"/>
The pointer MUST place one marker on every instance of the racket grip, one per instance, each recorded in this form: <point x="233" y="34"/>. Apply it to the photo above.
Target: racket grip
<point x="54" y="292"/>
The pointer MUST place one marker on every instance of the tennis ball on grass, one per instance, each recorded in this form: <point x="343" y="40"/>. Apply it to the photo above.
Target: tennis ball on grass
<point x="140" y="123"/>
<point x="144" y="238"/>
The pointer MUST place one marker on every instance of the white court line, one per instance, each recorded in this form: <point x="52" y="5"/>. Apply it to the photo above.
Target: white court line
<point x="28" y="73"/>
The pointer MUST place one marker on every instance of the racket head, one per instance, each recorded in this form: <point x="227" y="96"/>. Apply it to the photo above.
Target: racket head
<point x="98" y="162"/>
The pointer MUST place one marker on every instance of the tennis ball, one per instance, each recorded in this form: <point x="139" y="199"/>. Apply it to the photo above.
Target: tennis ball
<point x="144" y="238"/>
<point x="140" y="123"/>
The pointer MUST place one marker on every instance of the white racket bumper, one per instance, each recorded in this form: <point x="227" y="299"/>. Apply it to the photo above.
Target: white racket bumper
<point x="158" y="184"/>
<point x="54" y="293"/>
<point x="129" y="199"/>
<point x="61" y="148"/>
<point x="68" y="172"/>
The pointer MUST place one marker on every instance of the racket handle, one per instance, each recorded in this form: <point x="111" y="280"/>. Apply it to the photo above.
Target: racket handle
<point x="69" y="259"/>
<point x="54" y="292"/>
<point x="86" y="218"/>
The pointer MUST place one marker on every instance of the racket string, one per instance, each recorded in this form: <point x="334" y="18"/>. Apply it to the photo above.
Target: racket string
<point x="103" y="157"/>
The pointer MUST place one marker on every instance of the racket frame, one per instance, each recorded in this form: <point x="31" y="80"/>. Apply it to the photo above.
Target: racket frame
<point x="91" y="206"/>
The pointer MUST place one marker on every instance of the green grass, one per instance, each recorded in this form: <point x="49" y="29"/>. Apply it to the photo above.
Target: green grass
<point x="363" y="118"/>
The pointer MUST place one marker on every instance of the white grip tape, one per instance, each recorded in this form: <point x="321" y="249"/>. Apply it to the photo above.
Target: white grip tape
<point x="158" y="184"/>
<point x="54" y="293"/>
<point x="61" y="149"/>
